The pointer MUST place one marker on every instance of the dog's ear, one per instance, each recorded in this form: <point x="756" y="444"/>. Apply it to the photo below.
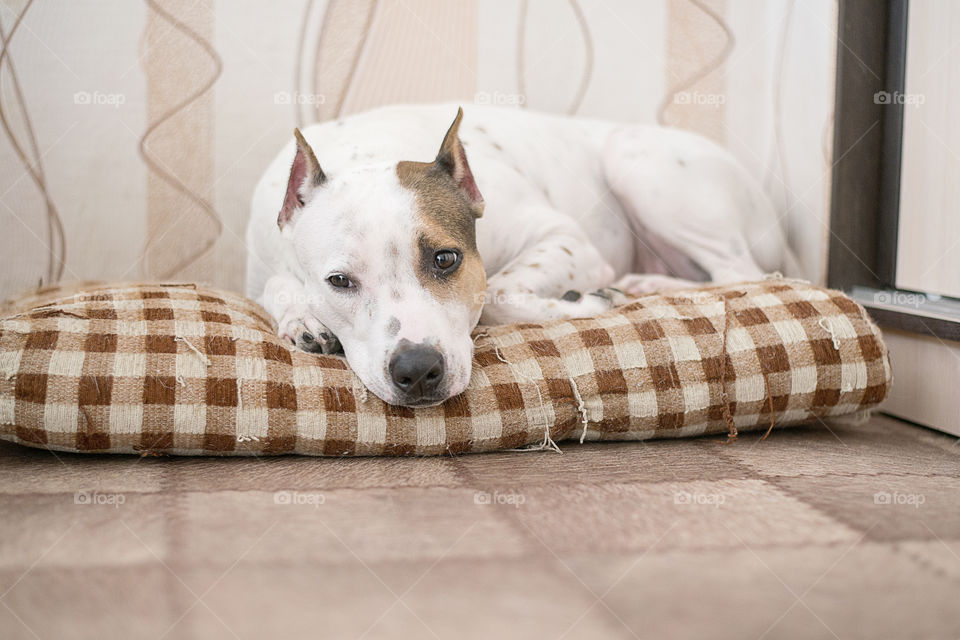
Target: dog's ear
<point x="452" y="160"/>
<point x="305" y="176"/>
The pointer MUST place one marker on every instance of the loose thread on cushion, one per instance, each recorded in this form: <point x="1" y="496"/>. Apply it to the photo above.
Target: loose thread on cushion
<point x="199" y="353"/>
<point x="581" y="409"/>
<point x="725" y="397"/>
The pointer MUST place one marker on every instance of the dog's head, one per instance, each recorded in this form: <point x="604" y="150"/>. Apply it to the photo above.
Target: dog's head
<point x="390" y="260"/>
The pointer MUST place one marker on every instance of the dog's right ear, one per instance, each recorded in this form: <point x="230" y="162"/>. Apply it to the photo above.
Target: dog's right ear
<point x="305" y="176"/>
<point x="452" y="160"/>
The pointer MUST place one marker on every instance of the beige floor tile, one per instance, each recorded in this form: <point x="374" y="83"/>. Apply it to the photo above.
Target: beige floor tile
<point x="945" y="441"/>
<point x="454" y="598"/>
<point x="872" y="448"/>
<point x="940" y="556"/>
<point x="520" y="598"/>
<point x="137" y="601"/>
<point x="299" y="547"/>
<point x="347" y="597"/>
<point x="594" y="463"/>
<point x="301" y="472"/>
<point x="59" y="530"/>
<point x="889" y="507"/>
<point x="863" y="591"/>
<point x="25" y="470"/>
<point x="340" y="526"/>
<point x="670" y="515"/>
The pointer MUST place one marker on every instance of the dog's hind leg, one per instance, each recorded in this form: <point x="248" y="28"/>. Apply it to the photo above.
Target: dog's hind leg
<point x="690" y="196"/>
<point x="641" y="284"/>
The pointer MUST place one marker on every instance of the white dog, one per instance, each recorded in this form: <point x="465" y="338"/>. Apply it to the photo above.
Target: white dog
<point x="388" y="247"/>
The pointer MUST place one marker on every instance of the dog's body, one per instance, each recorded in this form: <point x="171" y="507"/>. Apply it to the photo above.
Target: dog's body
<point x="568" y="205"/>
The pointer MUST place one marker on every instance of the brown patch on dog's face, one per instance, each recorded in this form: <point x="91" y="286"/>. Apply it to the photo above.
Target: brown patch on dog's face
<point x="439" y="200"/>
<point x="448" y="205"/>
<point x="466" y="282"/>
<point x="447" y="223"/>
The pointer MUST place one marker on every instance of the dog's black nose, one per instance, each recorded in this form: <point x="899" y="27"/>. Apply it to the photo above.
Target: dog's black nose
<point x="416" y="370"/>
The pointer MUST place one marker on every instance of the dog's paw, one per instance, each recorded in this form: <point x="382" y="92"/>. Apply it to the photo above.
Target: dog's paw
<point x="594" y="303"/>
<point x="643" y="284"/>
<point x="611" y="295"/>
<point x="308" y="334"/>
<point x="322" y="342"/>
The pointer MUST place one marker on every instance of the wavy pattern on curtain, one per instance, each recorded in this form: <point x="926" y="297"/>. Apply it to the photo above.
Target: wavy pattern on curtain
<point x="206" y="240"/>
<point x="55" y="244"/>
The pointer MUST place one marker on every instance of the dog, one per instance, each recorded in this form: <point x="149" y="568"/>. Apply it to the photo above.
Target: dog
<point x="388" y="250"/>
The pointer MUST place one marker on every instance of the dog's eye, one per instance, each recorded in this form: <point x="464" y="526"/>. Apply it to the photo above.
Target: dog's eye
<point x="340" y="281"/>
<point x="446" y="259"/>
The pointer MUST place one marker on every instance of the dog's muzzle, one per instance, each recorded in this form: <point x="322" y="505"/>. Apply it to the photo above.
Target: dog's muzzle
<point x="416" y="371"/>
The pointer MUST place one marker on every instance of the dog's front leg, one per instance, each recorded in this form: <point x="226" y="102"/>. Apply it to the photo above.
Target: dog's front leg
<point x="286" y="299"/>
<point x="559" y="275"/>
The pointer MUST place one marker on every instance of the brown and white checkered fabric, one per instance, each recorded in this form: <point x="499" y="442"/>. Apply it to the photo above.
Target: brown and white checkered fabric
<point x="184" y="369"/>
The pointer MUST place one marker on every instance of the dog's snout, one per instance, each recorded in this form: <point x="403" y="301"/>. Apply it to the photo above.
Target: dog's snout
<point x="417" y="370"/>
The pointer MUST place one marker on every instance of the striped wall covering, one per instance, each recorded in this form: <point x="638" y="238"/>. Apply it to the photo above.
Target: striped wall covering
<point x="133" y="133"/>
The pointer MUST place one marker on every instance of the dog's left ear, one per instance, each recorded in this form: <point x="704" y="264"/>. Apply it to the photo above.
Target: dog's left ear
<point x="452" y="160"/>
<point x="305" y="176"/>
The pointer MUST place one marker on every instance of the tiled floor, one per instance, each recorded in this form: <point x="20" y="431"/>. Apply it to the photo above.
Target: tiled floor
<point x="840" y="532"/>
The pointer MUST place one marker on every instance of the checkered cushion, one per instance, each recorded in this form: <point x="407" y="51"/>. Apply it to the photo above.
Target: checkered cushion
<point x="184" y="369"/>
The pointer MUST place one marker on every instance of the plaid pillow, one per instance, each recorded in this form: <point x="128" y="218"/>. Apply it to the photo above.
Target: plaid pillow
<point x="185" y="369"/>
